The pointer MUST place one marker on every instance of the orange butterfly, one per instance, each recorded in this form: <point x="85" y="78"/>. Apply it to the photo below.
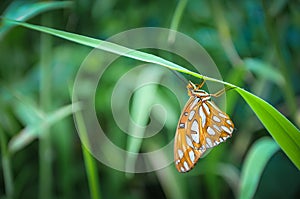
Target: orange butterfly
<point x="202" y="125"/>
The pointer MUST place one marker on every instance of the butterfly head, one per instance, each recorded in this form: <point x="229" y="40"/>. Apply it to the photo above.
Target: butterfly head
<point x="191" y="87"/>
<point x="194" y="90"/>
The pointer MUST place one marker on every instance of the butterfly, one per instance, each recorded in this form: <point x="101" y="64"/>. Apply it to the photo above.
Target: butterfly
<point x="202" y="125"/>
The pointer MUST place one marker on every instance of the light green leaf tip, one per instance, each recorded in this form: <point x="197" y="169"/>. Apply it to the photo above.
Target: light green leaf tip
<point x="281" y="129"/>
<point x="255" y="162"/>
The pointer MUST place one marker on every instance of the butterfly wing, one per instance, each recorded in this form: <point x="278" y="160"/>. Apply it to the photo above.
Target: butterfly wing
<point x="217" y="126"/>
<point x="186" y="153"/>
<point x="202" y="125"/>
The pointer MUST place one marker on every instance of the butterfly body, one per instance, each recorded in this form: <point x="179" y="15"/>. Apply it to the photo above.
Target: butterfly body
<point x="202" y="125"/>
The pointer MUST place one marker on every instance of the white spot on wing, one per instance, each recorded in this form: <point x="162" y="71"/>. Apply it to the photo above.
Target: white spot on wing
<point x="229" y="122"/>
<point x="213" y="105"/>
<point x="195" y="126"/>
<point x="206" y="108"/>
<point x="189" y="141"/>
<point x="202" y="115"/>
<point x="195" y="137"/>
<point x="202" y="148"/>
<point x="210" y="131"/>
<point x="192" y="156"/>
<point x="182" y="169"/>
<point x="215" y="118"/>
<point x="216" y="127"/>
<point x="222" y="115"/>
<point x="226" y="129"/>
<point x="180" y="153"/>
<point x="185" y="164"/>
<point x="209" y="143"/>
<point x="192" y="113"/>
<point x="194" y="103"/>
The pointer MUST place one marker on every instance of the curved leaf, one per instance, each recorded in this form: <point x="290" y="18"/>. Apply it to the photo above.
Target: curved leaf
<point x="256" y="160"/>
<point x="282" y="130"/>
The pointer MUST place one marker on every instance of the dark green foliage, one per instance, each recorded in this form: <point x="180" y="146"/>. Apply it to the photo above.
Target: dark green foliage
<point x="255" y="46"/>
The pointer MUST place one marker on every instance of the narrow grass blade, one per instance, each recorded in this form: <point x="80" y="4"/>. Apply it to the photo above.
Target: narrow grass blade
<point x="6" y="167"/>
<point x="176" y="19"/>
<point x="142" y="101"/>
<point x="92" y="175"/>
<point x="282" y="130"/>
<point x="255" y="162"/>
<point x="89" y="161"/>
<point x="116" y="49"/>
<point x="106" y="46"/>
<point x="32" y="131"/>
<point x="22" y="10"/>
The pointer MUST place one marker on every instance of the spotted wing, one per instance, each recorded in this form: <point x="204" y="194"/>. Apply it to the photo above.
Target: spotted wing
<point x="202" y="125"/>
<point x="186" y="153"/>
<point x="216" y="125"/>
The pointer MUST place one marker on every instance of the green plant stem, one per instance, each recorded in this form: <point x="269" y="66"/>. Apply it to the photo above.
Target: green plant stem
<point x="176" y="19"/>
<point x="287" y="88"/>
<point x="7" y="170"/>
<point x="224" y="34"/>
<point x="91" y="173"/>
<point x="45" y="148"/>
<point x="90" y="164"/>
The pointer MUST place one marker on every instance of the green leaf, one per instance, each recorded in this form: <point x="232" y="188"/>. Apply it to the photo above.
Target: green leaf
<point x="22" y="10"/>
<point x="281" y="129"/>
<point x="32" y="131"/>
<point x="256" y="160"/>
<point x="143" y="99"/>
<point x="108" y="47"/>
<point x="91" y="172"/>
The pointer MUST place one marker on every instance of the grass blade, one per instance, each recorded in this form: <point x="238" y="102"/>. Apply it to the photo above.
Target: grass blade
<point x="6" y="167"/>
<point x="256" y="160"/>
<point x="176" y="19"/>
<point x="89" y="161"/>
<point x="108" y="47"/>
<point x="142" y="101"/>
<point x="32" y="131"/>
<point x="282" y="130"/>
<point x="21" y="11"/>
<point x="92" y="175"/>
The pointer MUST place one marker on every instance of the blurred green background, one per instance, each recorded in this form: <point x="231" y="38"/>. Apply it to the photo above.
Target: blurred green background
<point x="255" y="44"/>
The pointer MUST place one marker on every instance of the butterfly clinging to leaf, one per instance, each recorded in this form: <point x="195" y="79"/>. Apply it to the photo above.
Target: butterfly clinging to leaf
<point x="202" y="125"/>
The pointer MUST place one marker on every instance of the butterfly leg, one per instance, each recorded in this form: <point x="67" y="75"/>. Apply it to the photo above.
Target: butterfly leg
<point x="220" y="92"/>
<point x="200" y="85"/>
